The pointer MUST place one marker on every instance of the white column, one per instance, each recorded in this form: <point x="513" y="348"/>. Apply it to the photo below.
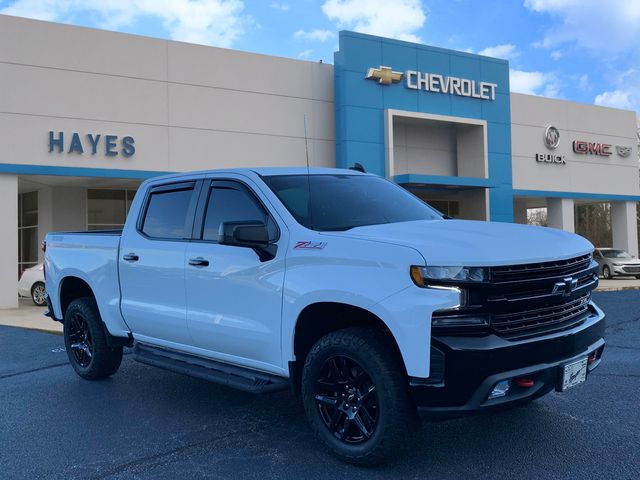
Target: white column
<point x="45" y="216"/>
<point x="560" y="214"/>
<point x="624" y="226"/>
<point x="520" y="212"/>
<point x="9" y="244"/>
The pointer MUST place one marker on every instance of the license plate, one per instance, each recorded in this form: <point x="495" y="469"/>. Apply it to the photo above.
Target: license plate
<point x="574" y="374"/>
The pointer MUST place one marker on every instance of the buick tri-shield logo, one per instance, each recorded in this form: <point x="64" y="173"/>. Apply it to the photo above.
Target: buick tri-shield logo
<point x="551" y="137"/>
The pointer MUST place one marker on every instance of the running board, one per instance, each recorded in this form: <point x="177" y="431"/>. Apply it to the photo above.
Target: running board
<point x="233" y="376"/>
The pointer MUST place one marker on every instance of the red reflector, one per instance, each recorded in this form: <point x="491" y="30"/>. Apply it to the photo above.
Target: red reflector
<point x="591" y="358"/>
<point x="525" y="382"/>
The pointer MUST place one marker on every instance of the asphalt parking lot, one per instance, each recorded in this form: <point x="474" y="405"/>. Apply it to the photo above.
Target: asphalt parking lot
<point x="149" y="423"/>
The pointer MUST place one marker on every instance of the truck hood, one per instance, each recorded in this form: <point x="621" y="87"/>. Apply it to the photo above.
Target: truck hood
<point x="476" y="243"/>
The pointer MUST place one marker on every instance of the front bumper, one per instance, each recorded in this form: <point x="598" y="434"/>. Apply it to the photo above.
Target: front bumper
<point x="626" y="270"/>
<point x="466" y="369"/>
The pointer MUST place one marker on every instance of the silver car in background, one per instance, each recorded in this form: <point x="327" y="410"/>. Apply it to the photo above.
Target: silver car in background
<point x="614" y="262"/>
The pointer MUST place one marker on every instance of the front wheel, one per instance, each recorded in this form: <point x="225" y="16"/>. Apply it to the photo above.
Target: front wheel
<point x="86" y="342"/>
<point x="355" y="395"/>
<point x="606" y="272"/>
<point x="38" y="294"/>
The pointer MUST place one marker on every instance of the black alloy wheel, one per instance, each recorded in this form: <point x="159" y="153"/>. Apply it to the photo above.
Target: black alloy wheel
<point x="355" y="393"/>
<point x="81" y="342"/>
<point x="347" y="400"/>
<point x="85" y="339"/>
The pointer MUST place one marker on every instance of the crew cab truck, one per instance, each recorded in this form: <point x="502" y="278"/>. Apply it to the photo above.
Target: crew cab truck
<point x="341" y="285"/>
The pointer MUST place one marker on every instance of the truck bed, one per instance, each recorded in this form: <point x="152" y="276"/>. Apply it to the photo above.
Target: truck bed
<point x="93" y="258"/>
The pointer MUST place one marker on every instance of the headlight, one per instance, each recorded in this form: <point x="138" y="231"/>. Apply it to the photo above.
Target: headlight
<point x="421" y="276"/>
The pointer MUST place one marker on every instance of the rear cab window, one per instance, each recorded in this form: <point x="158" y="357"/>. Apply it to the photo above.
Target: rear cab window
<point x="169" y="211"/>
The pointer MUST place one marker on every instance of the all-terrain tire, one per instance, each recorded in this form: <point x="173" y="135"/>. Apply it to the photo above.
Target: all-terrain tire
<point x="371" y="351"/>
<point x="86" y="341"/>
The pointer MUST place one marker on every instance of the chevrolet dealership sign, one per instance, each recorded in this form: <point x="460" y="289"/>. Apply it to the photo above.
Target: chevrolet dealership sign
<point x="432" y="82"/>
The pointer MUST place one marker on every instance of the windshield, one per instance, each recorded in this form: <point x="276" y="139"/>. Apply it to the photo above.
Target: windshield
<point x="615" y="254"/>
<point x="341" y="202"/>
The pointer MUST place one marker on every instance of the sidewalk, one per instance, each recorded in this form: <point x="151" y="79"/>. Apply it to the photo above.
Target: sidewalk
<point x="28" y="315"/>
<point x="618" y="283"/>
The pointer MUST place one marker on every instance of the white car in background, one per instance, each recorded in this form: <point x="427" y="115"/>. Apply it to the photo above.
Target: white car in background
<point x="31" y="284"/>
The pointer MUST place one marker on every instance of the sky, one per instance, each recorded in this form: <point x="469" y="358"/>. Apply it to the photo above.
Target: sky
<point x="582" y="50"/>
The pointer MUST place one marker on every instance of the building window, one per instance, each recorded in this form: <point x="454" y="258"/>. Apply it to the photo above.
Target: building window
<point x="448" y="207"/>
<point x="27" y="231"/>
<point x="108" y="209"/>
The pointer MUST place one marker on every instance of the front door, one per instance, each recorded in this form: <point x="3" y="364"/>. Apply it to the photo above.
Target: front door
<point x="234" y="299"/>
<point x="152" y="255"/>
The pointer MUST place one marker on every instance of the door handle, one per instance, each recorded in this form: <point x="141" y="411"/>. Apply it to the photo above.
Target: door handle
<point x="198" y="262"/>
<point x="131" y="257"/>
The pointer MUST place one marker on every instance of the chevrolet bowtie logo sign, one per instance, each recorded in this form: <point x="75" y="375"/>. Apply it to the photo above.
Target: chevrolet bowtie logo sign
<point x="384" y="75"/>
<point x="433" y="82"/>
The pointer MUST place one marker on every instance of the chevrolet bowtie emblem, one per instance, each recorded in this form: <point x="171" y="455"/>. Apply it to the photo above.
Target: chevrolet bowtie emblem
<point x="384" y="75"/>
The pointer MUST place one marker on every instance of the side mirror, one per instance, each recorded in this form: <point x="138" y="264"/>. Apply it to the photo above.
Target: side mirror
<point x="249" y="234"/>
<point x="245" y="234"/>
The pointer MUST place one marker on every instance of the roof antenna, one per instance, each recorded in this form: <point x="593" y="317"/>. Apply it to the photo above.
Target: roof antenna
<point x="306" y="148"/>
<point x="306" y="143"/>
<point x="358" y="168"/>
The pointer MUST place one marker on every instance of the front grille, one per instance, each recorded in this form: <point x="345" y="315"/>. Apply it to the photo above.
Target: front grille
<point x="531" y="299"/>
<point x="542" y="319"/>
<point x="631" y="269"/>
<point x="531" y="271"/>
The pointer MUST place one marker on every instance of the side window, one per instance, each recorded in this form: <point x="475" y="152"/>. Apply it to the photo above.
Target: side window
<point x="229" y="204"/>
<point x="166" y="214"/>
<point x="596" y="254"/>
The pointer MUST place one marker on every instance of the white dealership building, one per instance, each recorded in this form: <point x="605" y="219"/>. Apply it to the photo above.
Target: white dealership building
<point x="86" y="115"/>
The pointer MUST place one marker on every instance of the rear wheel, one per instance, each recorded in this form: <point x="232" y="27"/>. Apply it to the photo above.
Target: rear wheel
<point x="37" y="294"/>
<point x="606" y="272"/>
<point x="355" y="394"/>
<point x="86" y="342"/>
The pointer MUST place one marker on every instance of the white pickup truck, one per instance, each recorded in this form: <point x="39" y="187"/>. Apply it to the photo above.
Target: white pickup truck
<point x="367" y="302"/>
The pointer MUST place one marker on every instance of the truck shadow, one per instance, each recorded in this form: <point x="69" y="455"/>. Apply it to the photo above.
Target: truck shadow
<point x="228" y="426"/>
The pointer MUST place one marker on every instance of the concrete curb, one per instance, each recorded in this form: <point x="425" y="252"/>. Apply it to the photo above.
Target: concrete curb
<point x="39" y="329"/>
<point x="615" y="289"/>
<point x="54" y="329"/>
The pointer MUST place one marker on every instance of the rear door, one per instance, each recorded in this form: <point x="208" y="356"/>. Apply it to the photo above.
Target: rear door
<point x="234" y="299"/>
<point x="152" y="258"/>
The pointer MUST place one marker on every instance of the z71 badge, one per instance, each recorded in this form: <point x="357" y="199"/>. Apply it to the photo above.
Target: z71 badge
<point x="310" y="245"/>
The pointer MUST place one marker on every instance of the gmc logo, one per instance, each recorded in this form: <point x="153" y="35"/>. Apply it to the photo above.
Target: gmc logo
<point x="591" y="148"/>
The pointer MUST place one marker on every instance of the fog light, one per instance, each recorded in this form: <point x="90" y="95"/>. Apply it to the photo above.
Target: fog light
<point x="440" y="320"/>
<point x="500" y="390"/>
